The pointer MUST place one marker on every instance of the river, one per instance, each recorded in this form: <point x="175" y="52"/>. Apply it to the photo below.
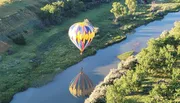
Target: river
<point x="96" y="66"/>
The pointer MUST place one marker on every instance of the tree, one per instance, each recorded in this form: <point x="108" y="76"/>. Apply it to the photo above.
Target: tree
<point x="131" y="4"/>
<point x="118" y="10"/>
<point x="114" y="96"/>
<point x="160" y="62"/>
<point x="52" y="8"/>
<point x="49" y="8"/>
<point x="125" y="85"/>
<point x="157" y="94"/>
<point x="58" y="4"/>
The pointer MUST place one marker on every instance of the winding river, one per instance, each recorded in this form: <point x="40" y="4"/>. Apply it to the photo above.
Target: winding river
<point x="96" y="66"/>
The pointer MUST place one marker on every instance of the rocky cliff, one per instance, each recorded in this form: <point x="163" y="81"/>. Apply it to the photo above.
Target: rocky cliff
<point x="98" y="95"/>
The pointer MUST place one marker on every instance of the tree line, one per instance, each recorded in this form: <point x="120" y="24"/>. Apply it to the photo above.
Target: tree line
<point x="56" y="12"/>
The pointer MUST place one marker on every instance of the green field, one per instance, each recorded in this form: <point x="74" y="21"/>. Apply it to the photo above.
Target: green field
<point x="125" y="55"/>
<point x="9" y="8"/>
<point x="50" y="51"/>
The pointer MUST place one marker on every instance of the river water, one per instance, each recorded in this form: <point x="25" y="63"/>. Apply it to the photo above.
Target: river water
<point x="96" y="66"/>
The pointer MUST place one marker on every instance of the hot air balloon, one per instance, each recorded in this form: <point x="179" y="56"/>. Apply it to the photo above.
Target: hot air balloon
<point x="81" y="85"/>
<point x="81" y="34"/>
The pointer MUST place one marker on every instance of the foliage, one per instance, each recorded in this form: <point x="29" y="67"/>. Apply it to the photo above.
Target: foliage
<point x="120" y="89"/>
<point x="157" y="94"/>
<point x="49" y="8"/>
<point x="54" y="13"/>
<point x="160" y="55"/>
<point x="158" y="63"/>
<point x="2" y="2"/>
<point x="54" y="7"/>
<point x="18" y="39"/>
<point x="131" y="4"/>
<point x="164" y="91"/>
<point x="127" y="84"/>
<point x="118" y="10"/>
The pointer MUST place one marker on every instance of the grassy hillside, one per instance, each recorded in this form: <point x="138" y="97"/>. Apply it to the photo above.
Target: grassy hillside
<point x="9" y="7"/>
<point x="19" y="17"/>
<point x="156" y="78"/>
<point x="50" y="51"/>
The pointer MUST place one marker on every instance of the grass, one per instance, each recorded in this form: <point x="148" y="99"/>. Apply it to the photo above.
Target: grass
<point x="9" y="7"/>
<point x="50" y="51"/>
<point x="125" y="55"/>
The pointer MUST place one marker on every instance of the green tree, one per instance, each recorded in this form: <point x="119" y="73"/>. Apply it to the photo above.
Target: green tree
<point x="131" y="4"/>
<point x="49" y="8"/>
<point x="118" y="10"/>
<point x="125" y="85"/>
<point x="158" y="94"/>
<point x="52" y="8"/>
<point x="58" y="4"/>
<point x="115" y="94"/>
<point x="158" y="62"/>
<point x="160" y="55"/>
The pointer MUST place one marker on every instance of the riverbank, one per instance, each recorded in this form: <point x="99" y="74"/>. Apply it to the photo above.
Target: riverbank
<point x="99" y="93"/>
<point x="147" y="74"/>
<point x="59" y="46"/>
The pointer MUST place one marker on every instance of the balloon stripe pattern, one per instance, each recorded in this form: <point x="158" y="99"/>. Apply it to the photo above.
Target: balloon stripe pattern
<point x="81" y="34"/>
<point x="81" y="85"/>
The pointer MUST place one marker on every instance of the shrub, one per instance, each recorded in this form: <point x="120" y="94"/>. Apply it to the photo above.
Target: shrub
<point x="18" y="39"/>
<point x="55" y="12"/>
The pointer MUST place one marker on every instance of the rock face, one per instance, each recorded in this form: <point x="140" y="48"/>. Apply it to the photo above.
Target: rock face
<point x="164" y="34"/>
<point x="98" y="95"/>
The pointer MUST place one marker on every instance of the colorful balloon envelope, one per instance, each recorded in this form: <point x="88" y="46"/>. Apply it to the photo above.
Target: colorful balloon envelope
<point x="81" y="34"/>
<point x="81" y="85"/>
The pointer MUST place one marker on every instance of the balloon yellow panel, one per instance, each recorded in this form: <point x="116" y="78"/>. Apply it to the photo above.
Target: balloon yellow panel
<point x="81" y="34"/>
<point x="81" y="85"/>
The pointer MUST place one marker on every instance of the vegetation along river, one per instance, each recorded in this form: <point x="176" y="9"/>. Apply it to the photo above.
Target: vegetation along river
<point x="96" y="66"/>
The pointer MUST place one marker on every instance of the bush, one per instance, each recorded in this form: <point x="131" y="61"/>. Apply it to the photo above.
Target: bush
<point x="18" y="39"/>
<point x="80" y="6"/>
<point x="55" y="12"/>
<point x="127" y="84"/>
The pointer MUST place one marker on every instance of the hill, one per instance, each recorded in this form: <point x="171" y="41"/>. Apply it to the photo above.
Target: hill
<point x="19" y="17"/>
